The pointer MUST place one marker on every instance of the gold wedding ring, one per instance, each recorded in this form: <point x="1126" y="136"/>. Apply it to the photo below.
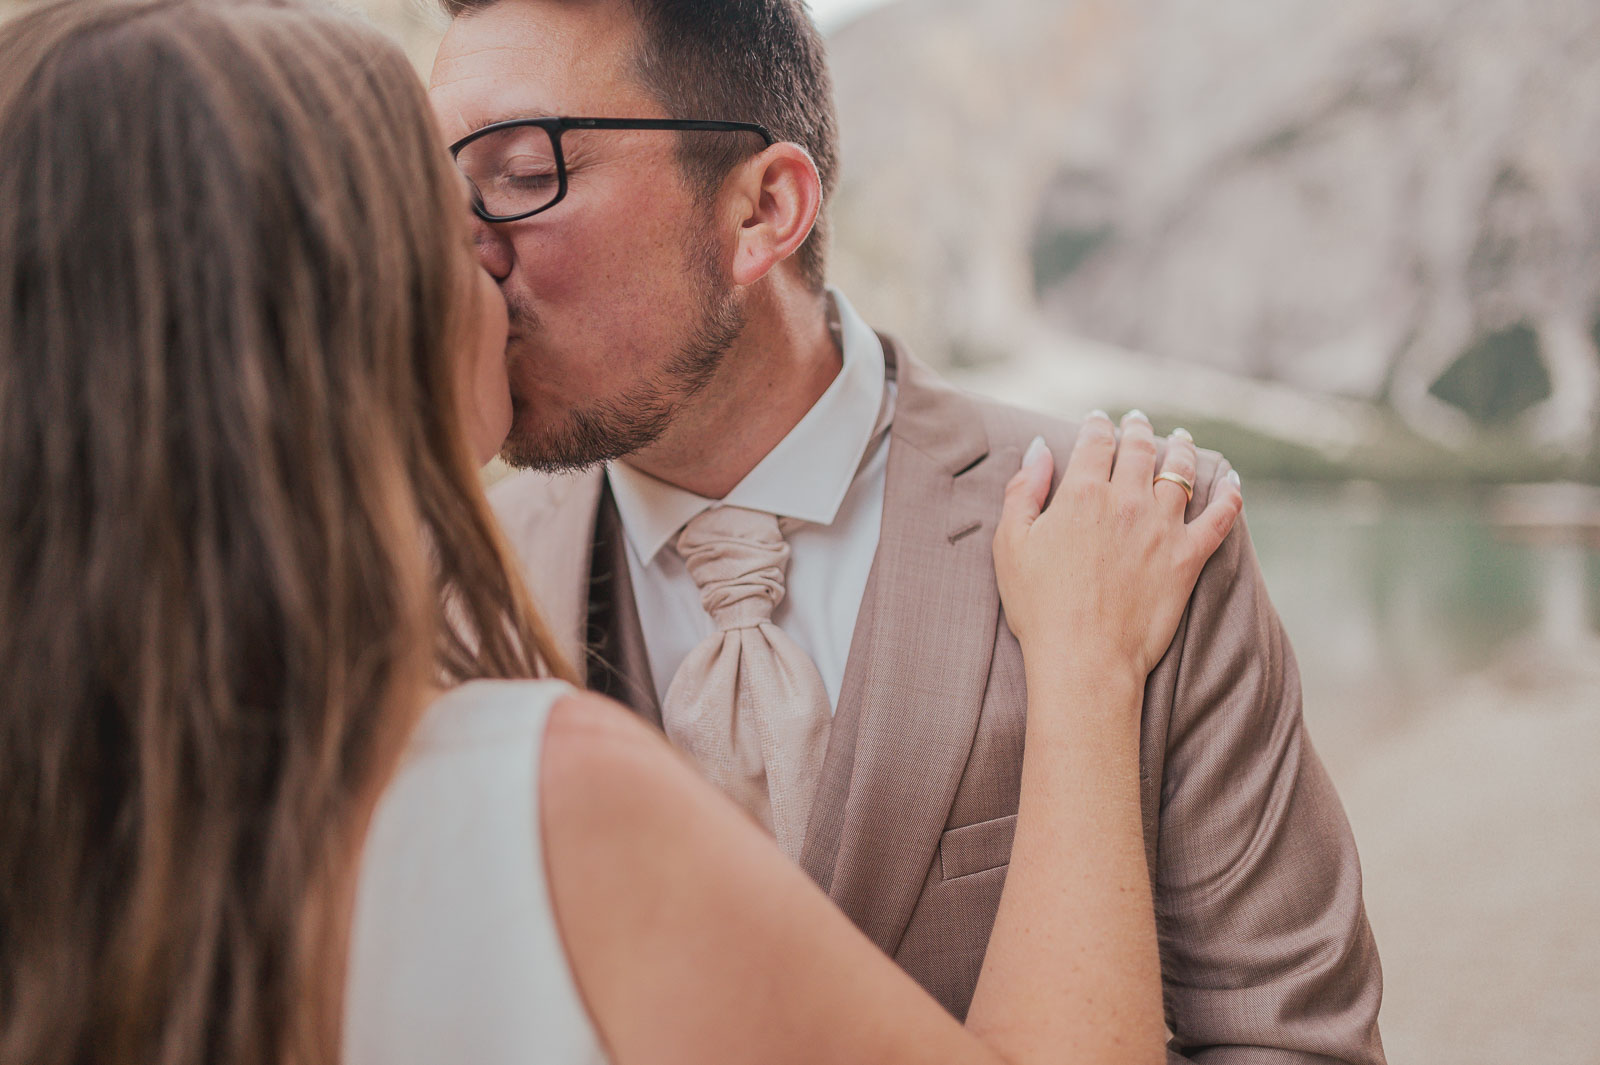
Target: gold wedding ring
<point x="1188" y="489"/>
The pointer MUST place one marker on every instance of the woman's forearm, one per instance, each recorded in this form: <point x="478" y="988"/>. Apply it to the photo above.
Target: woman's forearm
<point x="1072" y="972"/>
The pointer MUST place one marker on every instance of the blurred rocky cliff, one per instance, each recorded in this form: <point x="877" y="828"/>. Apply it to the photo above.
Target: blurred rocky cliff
<point x="1360" y="237"/>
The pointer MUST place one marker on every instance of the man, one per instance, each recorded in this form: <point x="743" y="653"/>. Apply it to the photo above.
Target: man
<point x="766" y="528"/>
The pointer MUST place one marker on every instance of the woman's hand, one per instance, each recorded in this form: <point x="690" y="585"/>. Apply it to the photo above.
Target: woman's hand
<point x="1103" y="575"/>
<point x="1093" y="587"/>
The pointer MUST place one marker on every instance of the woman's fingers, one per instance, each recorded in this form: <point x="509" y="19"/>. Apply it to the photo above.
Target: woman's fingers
<point x="1117" y="569"/>
<point x="1092" y="455"/>
<point x="1207" y="532"/>
<point x="1027" y="490"/>
<point x="1136" y="455"/>
<point x="1030" y="486"/>
<point x="1175" y="482"/>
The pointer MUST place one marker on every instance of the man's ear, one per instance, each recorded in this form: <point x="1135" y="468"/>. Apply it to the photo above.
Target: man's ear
<point x="774" y="198"/>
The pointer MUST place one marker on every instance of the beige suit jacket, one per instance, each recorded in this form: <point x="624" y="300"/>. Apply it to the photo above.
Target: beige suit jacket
<point x="1266" y="951"/>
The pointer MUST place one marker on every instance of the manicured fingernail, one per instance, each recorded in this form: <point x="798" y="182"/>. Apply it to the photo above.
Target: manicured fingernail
<point x="1137" y="414"/>
<point x="1035" y="450"/>
<point x="1183" y="434"/>
<point x="1097" y="413"/>
<point x="1233" y="477"/>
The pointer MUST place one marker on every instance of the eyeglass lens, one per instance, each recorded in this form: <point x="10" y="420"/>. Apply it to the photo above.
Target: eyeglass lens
<point x="513" y="169"/>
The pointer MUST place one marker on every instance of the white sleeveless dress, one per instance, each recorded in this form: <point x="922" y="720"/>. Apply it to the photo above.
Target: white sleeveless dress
<point x="454" y="953"/>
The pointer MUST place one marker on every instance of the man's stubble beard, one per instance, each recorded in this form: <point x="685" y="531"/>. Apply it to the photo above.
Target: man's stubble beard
<point x="621" y="425"/>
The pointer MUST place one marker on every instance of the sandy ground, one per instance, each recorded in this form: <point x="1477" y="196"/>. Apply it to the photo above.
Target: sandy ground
<point x="1477" y="812"/>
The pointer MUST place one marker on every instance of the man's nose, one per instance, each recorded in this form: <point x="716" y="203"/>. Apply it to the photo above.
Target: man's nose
<point x="494" y="250"/>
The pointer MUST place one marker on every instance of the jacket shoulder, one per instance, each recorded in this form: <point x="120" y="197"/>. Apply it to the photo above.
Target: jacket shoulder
<point x="528" y="500"/>
<point x="549" y="520"/>
<point x="1010" y="426"/>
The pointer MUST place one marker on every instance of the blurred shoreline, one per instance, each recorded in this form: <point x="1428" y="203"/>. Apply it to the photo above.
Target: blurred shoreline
<point x="1267" y="429"/>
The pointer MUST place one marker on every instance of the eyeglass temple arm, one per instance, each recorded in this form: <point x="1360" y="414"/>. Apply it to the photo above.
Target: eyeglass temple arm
<point x="684" y="124"/>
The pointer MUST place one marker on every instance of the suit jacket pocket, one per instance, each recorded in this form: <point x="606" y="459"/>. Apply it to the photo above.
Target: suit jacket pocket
<point x="974" y="848"/>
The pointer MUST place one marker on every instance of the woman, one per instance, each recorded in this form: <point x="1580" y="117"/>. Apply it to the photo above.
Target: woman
<point x="249" y="587"/>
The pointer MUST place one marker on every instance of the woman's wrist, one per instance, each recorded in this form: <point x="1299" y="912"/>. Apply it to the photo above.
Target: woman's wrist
<point x="1099" y="684"/>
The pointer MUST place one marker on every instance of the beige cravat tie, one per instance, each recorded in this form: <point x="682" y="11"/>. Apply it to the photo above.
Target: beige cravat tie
<point x="748" y="703"/>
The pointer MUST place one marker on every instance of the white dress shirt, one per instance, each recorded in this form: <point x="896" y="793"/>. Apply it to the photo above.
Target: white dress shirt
<point x="828" y="473"/>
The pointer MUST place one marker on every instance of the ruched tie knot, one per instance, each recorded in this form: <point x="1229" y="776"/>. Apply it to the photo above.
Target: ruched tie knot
<point x="738" y="559"/>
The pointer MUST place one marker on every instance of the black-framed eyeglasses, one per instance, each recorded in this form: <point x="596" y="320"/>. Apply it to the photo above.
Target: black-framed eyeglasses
<point x="516" y="168"/>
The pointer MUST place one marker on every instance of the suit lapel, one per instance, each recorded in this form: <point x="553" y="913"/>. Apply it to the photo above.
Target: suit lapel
<point x="549" y="523"/>
<point x="919" y="660"/>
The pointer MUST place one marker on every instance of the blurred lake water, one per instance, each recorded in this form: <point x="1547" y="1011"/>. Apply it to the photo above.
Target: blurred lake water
<point x="1404" y="590"/>
<point x="1452" y="684"/>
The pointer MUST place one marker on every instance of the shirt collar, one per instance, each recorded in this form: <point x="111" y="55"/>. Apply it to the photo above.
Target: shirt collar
<point x="806" y="476"/>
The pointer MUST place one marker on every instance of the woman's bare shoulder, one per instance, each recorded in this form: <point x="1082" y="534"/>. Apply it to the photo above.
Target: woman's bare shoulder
<point x="618" y="801"/>
<point x="598" y="757"/>
<point x="687" y="930"/>
<point x="587" y="725"/>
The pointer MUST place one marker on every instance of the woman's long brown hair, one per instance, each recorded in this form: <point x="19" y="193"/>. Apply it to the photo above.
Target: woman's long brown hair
<point x="240" y="529"/>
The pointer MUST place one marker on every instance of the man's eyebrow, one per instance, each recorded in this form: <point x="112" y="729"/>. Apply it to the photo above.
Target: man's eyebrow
<point x="512" y="115"/>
